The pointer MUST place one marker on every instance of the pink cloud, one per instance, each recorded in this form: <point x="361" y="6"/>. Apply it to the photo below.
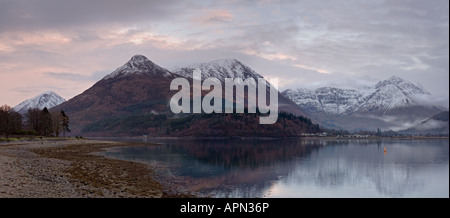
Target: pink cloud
<point x="212" y="16"/>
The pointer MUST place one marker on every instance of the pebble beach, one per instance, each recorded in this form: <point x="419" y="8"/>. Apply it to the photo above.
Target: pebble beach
<point x="72" y="168"/>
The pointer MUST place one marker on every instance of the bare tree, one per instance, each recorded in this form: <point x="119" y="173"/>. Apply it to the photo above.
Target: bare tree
<point x="33" y="119"/>
<point x="4" y="119"/>
<point x="10" y="121"/>
<point x="56" y="123"/>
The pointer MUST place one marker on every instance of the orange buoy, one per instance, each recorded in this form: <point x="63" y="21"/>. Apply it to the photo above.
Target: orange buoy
<point x="384" y="150"/>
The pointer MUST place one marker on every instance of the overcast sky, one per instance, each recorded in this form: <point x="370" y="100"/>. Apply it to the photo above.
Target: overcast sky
<point x="66" y="46"/>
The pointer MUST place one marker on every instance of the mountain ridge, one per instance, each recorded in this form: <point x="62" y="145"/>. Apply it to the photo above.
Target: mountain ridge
<point x="385" y="95"/>
<point x="437" y="125"/>
<point x="220" y="69"/>
<point x="351" y="108"/>
<point x="140" y="88"/>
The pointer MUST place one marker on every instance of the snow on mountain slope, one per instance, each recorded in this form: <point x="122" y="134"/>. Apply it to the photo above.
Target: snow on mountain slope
<point x="326" y="99"/>
<point x="304" y="97"/>
<point x="393" y="93"/>
<point x="338" y="101"/>
<point x="232" y="68"/>
<point x="47" y="99"/>
<point x="386" y="95"/>
<point x="390" y="104"/>
<point x="220" y="69"/>
<point x="138" y="65"/>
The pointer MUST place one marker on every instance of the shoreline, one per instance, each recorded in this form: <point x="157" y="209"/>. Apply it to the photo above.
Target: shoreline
<point x="72" y="168"/>
<point x="149" y="139"/>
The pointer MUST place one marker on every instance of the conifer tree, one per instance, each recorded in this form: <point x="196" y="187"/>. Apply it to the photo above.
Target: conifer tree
<point x="46" y="123"/>
<point x="64" y="122"/>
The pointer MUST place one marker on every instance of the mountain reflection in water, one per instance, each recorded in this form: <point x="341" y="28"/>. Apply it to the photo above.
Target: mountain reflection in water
<point x="300" y="167"/>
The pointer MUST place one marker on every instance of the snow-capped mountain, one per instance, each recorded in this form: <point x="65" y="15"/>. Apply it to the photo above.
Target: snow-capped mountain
<point x="392" y="94"/>
<point x="386" y="95"/>
<point x="137" y="87"/>
<point x="47" y="99"/>
<point x="220" y="69"/>
<point x="385" y="101"/>
<point x="327" y="99"/>
<point x="140" y="87"/>
<point x="232" y="68"/>
<point x="137" y="65"/>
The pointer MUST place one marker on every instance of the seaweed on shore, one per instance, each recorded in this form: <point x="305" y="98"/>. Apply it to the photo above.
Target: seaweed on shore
<point x="101" y="176"/>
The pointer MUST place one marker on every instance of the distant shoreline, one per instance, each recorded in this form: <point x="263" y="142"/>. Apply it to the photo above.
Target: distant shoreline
<point x="21" y="138"/>
<point x="136" y="138"/>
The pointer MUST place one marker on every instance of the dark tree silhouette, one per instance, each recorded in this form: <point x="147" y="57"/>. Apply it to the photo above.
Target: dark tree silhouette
<point x="33" y="117"/>
<point x="10" y="121"/>
<point x="45" y="122"/>
<point x="64" y="122"/>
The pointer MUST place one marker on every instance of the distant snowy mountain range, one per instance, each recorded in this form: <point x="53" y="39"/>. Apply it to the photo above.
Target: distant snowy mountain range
<point x="384" y="96"/>
<point x="394" y="104"/>
<point x="47" y="99"/>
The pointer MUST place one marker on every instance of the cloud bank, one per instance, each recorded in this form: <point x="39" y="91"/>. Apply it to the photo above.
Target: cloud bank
<point x="68" y="44"/>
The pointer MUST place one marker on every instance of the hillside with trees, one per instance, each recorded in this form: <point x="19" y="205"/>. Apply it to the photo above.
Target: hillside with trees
<point x="202" y="125"/>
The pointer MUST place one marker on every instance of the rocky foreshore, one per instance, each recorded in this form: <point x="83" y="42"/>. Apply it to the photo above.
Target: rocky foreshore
<point x="71" y="169"/>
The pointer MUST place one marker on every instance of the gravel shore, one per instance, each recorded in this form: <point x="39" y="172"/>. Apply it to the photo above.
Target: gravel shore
<point x="70" y="169"/>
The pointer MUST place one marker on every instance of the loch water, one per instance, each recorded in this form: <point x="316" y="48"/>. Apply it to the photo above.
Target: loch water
<point x="300" y="167"/>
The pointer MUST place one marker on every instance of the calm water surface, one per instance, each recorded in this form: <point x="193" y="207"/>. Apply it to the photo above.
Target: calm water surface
<point x="300" y="168"/>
